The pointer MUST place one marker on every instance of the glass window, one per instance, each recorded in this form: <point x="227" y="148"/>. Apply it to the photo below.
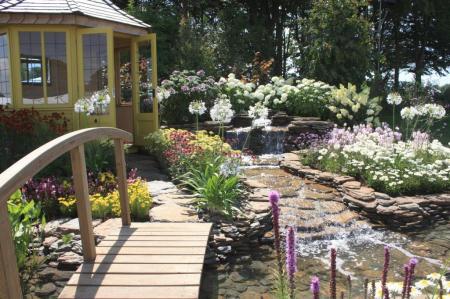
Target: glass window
<point x="145" y="77"/>
<point x="55" y="55"/>
<point x="5" y="86"/>
<point x="31" y="69"/>
<point x="95" y="62"/>
<point x="125" y="76"/>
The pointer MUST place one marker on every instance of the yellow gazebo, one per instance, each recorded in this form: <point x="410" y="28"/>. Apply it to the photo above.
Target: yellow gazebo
<point x="54" y="52"/>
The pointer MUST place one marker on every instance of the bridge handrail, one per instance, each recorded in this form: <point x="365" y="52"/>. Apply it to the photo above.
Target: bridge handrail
<point x="15" y="176"/>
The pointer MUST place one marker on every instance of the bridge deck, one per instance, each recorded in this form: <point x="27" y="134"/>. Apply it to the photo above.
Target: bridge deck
<point x="145" y="260"/>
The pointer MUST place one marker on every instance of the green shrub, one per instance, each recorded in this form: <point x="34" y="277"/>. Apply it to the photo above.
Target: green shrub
<point x="217" y="191"/>
<point x="25" y="217"/>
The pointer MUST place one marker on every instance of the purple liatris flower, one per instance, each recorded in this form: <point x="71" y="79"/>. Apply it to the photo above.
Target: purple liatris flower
<point x="291" y="258"/>
<point x="412" y="265"/>
<point x="405" y="280"/>
<point x="387" y="256"/>
<point x="274" y="198"/>
<point x="315" y="287"/>
<point x="333" y="273"/>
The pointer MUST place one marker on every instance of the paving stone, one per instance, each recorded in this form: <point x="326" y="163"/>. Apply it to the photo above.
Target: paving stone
<point x="171" y="212"/>
<point x="73" y="226"/>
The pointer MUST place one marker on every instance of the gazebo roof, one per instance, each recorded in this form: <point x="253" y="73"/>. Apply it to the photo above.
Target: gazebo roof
<point x="98" y="9"/>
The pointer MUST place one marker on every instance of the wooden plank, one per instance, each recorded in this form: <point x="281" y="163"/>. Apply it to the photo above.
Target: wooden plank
<point x="182" y="226"/>
<point x="135" y="279"/>
<point x="139" y="269"/>
<point x="151" y="250"/>
<point x="149" y="259"/>
<point x="156" y="233"/>
<point x="122" y="181"/>
<point x="121" y="292"/>
<point x="83" y="204"/>
<point x="130" y="243"/>
<point x="162" y="229"/>
<point x="155" y="238"/>
<point x="9" y="273"/>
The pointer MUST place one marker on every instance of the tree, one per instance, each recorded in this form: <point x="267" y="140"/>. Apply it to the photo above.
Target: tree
<point x="337" y="44"/>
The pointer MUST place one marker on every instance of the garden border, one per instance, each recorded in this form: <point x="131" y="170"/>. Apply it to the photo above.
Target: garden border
<point x="399" y="213"/>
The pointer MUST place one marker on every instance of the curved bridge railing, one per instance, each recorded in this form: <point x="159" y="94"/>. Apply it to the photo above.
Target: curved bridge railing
<point x="14" y="177"/>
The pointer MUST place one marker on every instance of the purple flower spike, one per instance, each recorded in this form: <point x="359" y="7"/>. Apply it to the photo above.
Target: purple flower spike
<point x="387" y="256"/>
<point x="412" y="265"/>
<point x="405" y="279"/>
<point x="291" y="258"/>
<point x="274" y="198"/>
<point x="315" y="287"/>
<point x="333" y="273"/>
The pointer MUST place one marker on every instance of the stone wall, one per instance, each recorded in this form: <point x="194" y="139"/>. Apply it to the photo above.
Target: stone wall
<point x="401" y="213"/>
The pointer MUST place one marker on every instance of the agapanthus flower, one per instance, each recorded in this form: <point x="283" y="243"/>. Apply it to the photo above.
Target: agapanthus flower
<point x="221" y="111"/>
<point x="394" y="98"/>
<point x="197" y="107"/>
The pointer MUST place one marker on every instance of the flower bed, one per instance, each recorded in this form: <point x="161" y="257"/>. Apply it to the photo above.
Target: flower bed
<point x="379" y="158"/>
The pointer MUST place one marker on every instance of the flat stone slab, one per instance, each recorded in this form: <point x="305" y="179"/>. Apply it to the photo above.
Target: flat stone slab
<point x="103" y="229"/>
<point x="160" y="187"/>
<point x="171" y="212"/>
<point x="73" y="226"/>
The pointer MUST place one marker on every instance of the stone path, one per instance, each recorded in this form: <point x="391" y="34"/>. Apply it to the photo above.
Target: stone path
<point x="170" y="203"/>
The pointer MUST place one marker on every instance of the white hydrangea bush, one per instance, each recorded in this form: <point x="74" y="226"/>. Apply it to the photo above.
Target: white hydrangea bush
<point x="238" y="91"/>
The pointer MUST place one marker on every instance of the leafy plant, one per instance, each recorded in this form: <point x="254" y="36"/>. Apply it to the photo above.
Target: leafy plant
<point x="25" y="217"/>
<point x="350" y="106"/>
<point x="217" y="193"/>
<point x="100" y="156"/>
<point x="67" y="238"/>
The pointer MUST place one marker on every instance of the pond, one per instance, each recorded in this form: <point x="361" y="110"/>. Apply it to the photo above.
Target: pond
<point x="323" y="222"/>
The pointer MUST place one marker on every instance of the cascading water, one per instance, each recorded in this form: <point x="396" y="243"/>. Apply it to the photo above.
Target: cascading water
<point x="267" y="140"/>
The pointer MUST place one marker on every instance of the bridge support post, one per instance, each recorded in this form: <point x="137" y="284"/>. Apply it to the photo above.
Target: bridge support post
<point x="9" y="273"/>
<point x="122" y="182"/>
<point x="83" y="204"/>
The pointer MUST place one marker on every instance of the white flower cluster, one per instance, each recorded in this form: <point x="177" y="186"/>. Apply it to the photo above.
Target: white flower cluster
<point x="97" y="103"/>
<point x="394" y="98"/>
<point x="222" y="110"/>
<point x="239" y="91"/>
<point x="385" y="160"/>
<point x="348" y="104"/>
<point x="424" y="288"/>
<point x="280" y="93"/>
<point x="197" y="107"/>
<point x="260" y="115"/>
<point x="433" y="111"/>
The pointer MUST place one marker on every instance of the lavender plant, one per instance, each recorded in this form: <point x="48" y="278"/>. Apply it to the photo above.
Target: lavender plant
<point x="291" y="259"/>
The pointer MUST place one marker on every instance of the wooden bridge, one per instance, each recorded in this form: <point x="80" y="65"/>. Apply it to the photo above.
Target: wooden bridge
<point x="138" y="260"/>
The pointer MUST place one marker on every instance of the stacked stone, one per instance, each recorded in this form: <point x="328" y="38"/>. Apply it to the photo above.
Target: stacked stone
<point x="401" y="213"/>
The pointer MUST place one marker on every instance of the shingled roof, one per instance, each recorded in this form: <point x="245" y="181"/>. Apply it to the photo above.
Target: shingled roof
<point x="99" y="9"/>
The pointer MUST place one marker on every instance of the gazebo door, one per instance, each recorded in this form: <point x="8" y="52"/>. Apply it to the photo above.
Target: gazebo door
<point x="96" y="73"/>
<point x="144" y="75"/>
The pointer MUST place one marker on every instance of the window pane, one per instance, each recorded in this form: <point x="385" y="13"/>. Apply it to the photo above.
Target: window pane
<point x="5" y="86"/>
<point x="95" y="62"/>
<point x="125" y="76"/>
<point x="145" y="77"/>
<point x="55" y="54"/>
<point x="31" y="67"/>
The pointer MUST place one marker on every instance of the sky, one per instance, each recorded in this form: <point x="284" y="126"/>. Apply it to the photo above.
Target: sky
<point x="432" y="78"/>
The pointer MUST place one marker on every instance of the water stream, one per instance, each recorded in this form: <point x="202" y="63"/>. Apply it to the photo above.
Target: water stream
<point x="322" y="222"/>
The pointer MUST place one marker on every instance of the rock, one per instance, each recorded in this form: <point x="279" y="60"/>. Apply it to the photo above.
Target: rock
<point x="69" y="261"/>
<point x="73" y="226"/>
<point x="47" y="273"/>
<point x="224" y="249"/>
<point x="291" y="157"/>
<point x="352" y="185"/>
<point x="49" y="241"/>
<point x="343" y="179"/>
<point x="62" y="276"/>
<point x="389" y="210"/>
<point x="51" y="226"/>
<point x="171" y="212"/>
<point x="369" y="206"/>
<point x="363" y="193"/>
<point x="383" y="196"/>
<point x="45" y="290"/>
<point x="254" y="184"/>
<point x="260" y="206"/>
<point x="160" y="187"/>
